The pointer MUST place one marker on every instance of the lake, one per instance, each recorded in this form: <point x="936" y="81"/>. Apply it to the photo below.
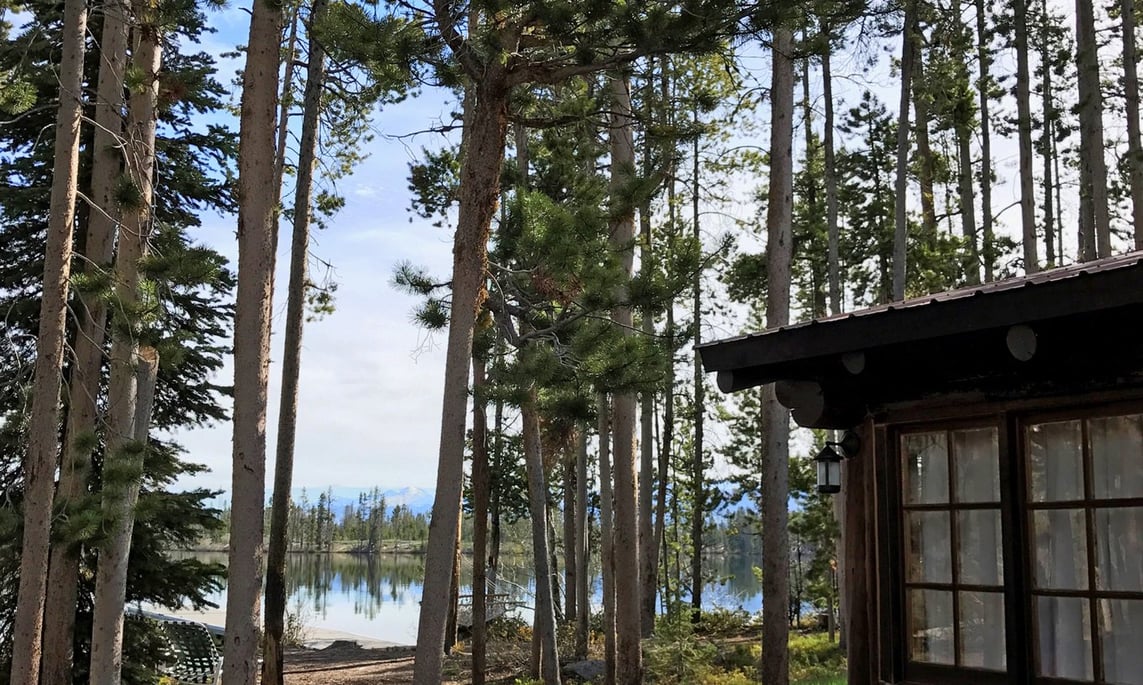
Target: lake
<point x="379" y="596"/>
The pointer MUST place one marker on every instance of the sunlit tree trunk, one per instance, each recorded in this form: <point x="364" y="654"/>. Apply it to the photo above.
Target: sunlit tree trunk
<point x="124" y="455"/>
<point x="257" y="219"/>
<point x="628" y="650"/>
<point x="43" y="427"/>
<point x="478" y="196"/>
<point x="273" y="653"/>
<point x="775" y="456"/>
<point x="86" y="375"/>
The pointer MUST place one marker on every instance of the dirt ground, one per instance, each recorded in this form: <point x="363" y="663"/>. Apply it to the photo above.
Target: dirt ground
<point x="346" y="663"/>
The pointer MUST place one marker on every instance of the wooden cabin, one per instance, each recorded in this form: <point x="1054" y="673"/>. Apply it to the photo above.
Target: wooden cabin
<point x="994" y="509"/>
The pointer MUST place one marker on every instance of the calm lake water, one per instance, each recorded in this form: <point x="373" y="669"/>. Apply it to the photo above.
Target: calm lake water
<point x="379" y="596"/>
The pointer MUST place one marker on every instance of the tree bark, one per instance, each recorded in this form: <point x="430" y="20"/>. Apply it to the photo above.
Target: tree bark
<point x="984" y="61"/>
<point x="276" y="594"/>
<point x="648" y="542"/>
<point x="111" y="576"/>
<point x="918" y="86"/>
<point x="967" y="202"/>
<point x="900" y="232"/>
<point x="775" y="456"/>
<point x="43" y="427"/>
<point x="832" y="230"/>
<point x="698" y="461"/>
<point x="571" y="549"/>
<point x="86" y="375"/>
<point x="1024" y="131"/>
<point x="668" y="436"/>
<point x="1048" y="139"/>
<point x="606" y="535"/>
<point x="1093" y="166"/>
<point x="537" y="504"/>
<point x="582" y="542"/>
<point x="257" y="220"/>
<point x="479" y="192"/>
<point x="481" y="485"/>
<point x="123" y="460"/>
<point x="628" y="649"/>
<point x="1134" y="142"/>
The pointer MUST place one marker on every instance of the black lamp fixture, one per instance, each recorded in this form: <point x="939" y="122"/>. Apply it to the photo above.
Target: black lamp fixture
<point x="829" y="460"/>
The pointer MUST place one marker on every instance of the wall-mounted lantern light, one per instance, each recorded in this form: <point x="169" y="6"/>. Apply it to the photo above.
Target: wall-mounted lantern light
<point x="829" y="470"/>
<point x="828" y="461"/>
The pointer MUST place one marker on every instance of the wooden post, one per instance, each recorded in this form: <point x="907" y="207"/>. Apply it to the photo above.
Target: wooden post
<point x="859" y="562"/>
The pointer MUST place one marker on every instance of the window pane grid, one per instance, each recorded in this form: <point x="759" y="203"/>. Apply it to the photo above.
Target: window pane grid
<point x="1092" y="644"/>
<point x="951" y="483"/>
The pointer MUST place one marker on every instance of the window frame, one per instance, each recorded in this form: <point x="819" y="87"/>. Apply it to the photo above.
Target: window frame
<point x="1011" y="420"/>
<point x="1088" y="504"/>
<point x="919" y="671"/>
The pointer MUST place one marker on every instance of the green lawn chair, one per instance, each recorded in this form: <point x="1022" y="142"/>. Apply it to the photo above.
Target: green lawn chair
<point x="193" y="655"/>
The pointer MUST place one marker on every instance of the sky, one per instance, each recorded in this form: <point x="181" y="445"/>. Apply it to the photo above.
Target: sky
<point x="371" y="380"/>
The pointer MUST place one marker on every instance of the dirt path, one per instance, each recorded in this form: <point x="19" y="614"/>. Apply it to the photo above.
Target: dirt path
<point x="347" y="663"/>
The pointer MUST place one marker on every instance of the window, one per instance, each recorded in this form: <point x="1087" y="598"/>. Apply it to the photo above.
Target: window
<point x="954" y="568"/>
<point x="1085" y="519"/>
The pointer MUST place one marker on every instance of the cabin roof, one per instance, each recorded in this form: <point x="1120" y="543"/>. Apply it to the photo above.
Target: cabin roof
<point x="934" y="327"/>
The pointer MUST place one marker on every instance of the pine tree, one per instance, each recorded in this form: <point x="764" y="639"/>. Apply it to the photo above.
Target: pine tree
<point x="43" y="441"/>
<point x="256" y="219"/>
<point x="775" y="455"/>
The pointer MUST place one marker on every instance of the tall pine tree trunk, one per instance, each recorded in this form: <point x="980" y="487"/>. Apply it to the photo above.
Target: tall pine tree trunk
<point x="648" y="543"/>
<point x="901" y="227"/>
<point x="583" y="553"/>
<point x="571" y="549"/>
<point x="1024" y="129"/>
<point x="832" y="230"/>
<point x="967" y="203"/>
<point x="628" y="649"/>
<point x="919" y="87"/>
<point x="775" y="456"/>
<point x="984" y="60"/>
<point x="607" y="534"/>
<point x="836" y="304"/>
<point x="1093" y="167"/>
<point x="273" y="654"/>
<point x="481" y="485"/>
<point x="668" y="435"/>
<point x="86" y="376"/>
<point x="43" y="425"/>
<point x="648" y="547"/>
<point x="1048" y="116"/>
<point x="1134" y="144"/>
<point x="123" y="459"/>
<point x="698" y="461"/>
<point x="478" y="195"/>
<point x="257" y="219"/>
<point x="111" y="578"/>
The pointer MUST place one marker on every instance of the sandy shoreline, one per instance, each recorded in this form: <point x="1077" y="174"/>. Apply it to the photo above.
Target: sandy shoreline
<point x="315" y="637"/>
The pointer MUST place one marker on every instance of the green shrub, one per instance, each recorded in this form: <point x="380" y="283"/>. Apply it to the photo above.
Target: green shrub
<point x="814" y="659"/>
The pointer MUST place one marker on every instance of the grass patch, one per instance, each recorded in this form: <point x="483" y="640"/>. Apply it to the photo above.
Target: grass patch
<point x="723" y="649"/>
